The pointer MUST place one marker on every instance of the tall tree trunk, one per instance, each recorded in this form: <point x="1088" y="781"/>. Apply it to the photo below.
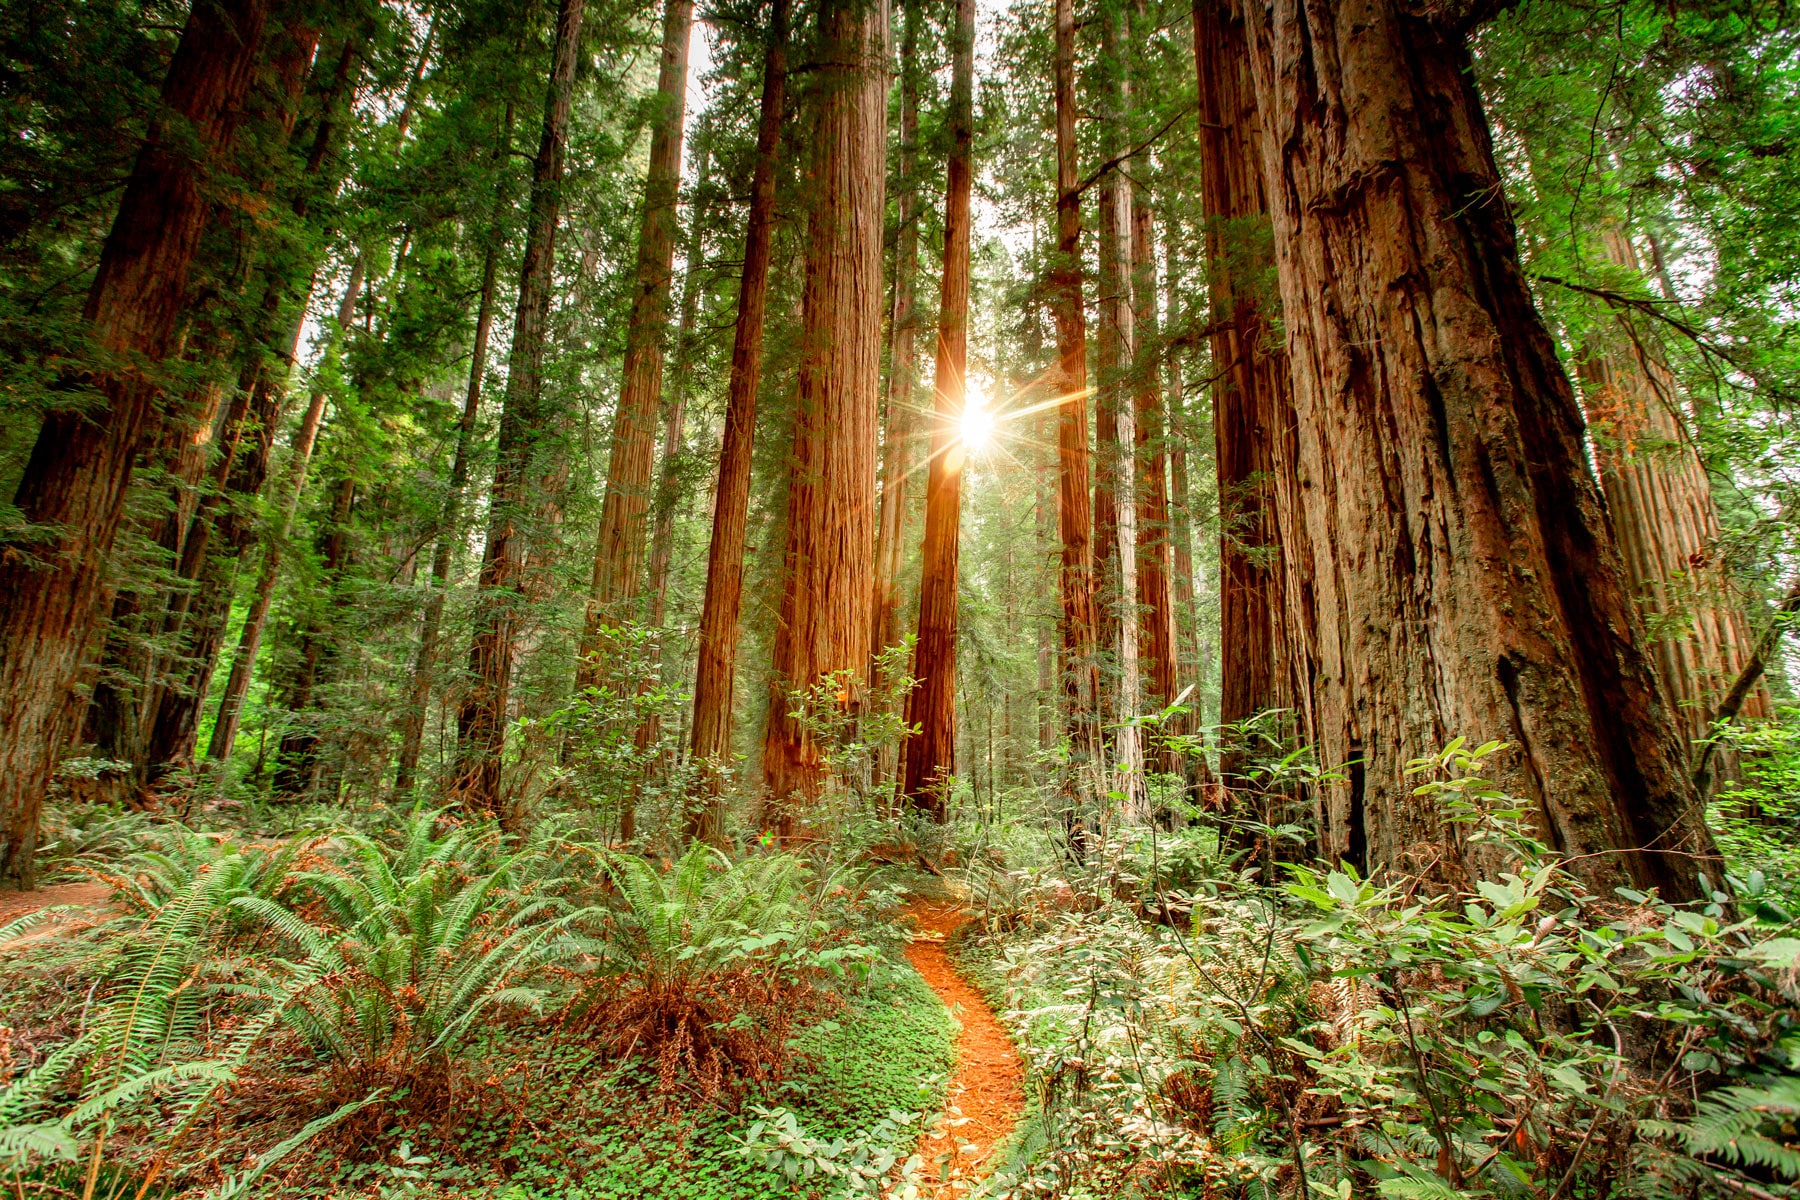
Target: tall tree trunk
<point x="1468" y="580"/>
<point x="1252" y="400"/>
<point x="519" y="470"/>
<point x="619" y="549"/>
<point x="72" y="493"/>
<point x="1081" y="677"/>
<point x="1181" y="518"/>
<point x="715" y="672"/>
<point x="1156" y="601"/>
<point x="898" y="454"/>
<point x="931" y="707"/>
<point x="823" y="623"/>
<point x="412" y="736"/>
<point x="1115" y="500"/>
<point x="1661" y="503"/>
<point x="243" y="661"/>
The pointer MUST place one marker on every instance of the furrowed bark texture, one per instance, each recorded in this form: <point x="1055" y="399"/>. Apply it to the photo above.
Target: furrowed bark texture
<point x="73" y="489"/>
<point x="823" y="622"/>
<point x="931" y="706"/>
<point x="1661" y="503"/>
<point x="1468" y="581"/>
<point x="715" y="671"/>
<point x="1074" y="508"/>
<point x="1252" y="401"/>
<point x="521" y="470"/>
<point x="619" y="550"/>
<point x="899" y="441"/>
<point x="1156" y="601"/>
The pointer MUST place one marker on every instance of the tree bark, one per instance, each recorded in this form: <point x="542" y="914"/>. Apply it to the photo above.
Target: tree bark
<point x="931" y="707"/>
<point x="1156" y="601"/>
<point x="297" y="759"/>
<point x="823" y="623"/>
<point x="72" y="493"/>
<point x="897" y="454"/>
<point x="619" y="549"/>
<point x="520" y="471"/>
<point x="1661" y="503"/>
<point x="1468" y="579"/>
<point x="1081" y="682"/>
<point x="715" y="672"/>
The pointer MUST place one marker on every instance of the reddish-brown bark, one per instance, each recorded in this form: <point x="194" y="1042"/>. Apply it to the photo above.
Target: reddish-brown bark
<point x="619" y="549"/>
<point x="522" y="468"/>
<point x="823" y="622"/>
<point x="1156" y="602"/>
<point x="1081" y="682"/>
<point x="72" y="493"/>
<point x="1468" y="583"/>
<point x="715" y="671"/>
<point x="930" y="753"/>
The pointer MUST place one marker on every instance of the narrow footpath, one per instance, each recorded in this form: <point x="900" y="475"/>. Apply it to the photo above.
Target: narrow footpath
<point x="986" y="1092"/>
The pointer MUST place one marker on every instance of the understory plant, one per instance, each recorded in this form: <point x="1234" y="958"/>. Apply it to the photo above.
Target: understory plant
<point x="1338" y="1035"/>
<point x="708" y="965"/>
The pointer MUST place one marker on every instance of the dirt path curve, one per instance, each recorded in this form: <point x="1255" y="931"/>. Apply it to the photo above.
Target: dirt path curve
<point x="987" y="1091"/>
<point x="88" y="897"/>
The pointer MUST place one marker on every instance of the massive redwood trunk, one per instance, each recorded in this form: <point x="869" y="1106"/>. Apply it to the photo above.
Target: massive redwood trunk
<point x="619" y="549"/>
<point x="823" y="622"/>
<point x="72" y="493"/>
<point x="931" y="707"/>
<point x="715" y="672"/>
<point x="1155" y="596"/>
<point x="1661" y="503"/>
<point x="1468" y="580"/>
<point x="1081" y="682"/>
<point x="1252" y="399"/>
<point x="522" y="470"/>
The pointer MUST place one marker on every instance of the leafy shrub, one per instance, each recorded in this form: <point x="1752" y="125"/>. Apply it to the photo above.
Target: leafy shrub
<point x="708" y="965"/>
<point x="1342" y="1036"/>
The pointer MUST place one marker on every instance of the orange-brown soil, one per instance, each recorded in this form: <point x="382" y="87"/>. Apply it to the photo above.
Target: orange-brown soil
<point x="986" y="1092"/>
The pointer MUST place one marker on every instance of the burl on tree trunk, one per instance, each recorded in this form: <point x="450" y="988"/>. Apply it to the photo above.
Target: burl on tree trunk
<point x="1468" y="583"/>
<point x="72" y="495"/>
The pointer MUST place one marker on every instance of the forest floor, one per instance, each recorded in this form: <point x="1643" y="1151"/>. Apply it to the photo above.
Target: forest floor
<point x="986" y="1093"/>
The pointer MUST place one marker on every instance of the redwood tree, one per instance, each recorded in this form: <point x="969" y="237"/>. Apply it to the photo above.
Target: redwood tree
<point x="823" y="622"/>
<point x="931" y="707"/>
<point x="521" y="467"/>
<point x="1468" y="582"/>
<point x="72" y="493"/>
<point x="716" y="670"/>
<point x="619" y="549"/>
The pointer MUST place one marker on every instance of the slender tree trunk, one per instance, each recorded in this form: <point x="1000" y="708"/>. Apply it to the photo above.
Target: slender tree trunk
<point x="931" y="707"/>
<point x="1156" y="602"/>
<point x="520" y="469"/>
<point x="823" y="624"/>
<point x="897" y="454"/>
<point x="425" y="667"/>
<point x="715" y="672"/>
<point x="243" y="661"/>
<point x="1661" y="503"/>
<point x="72" y="493"/>
<point x="1468" y="580"/>
<point x="1074" y="506"/>
<point x="1115" y="499"/>
<point x="1181" y="517"/>
<point x="619" y="549"/>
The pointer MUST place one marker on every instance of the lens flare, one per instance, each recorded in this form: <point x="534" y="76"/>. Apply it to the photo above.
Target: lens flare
<point x="976" y="426"/>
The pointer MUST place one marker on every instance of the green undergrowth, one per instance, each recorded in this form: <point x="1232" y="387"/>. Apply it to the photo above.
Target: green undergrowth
<point x="558" y="1122"/>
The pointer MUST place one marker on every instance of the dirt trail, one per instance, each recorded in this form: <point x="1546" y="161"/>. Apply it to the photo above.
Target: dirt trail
<point x="87" y="897"/>
<point x="987" y="1090"/>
